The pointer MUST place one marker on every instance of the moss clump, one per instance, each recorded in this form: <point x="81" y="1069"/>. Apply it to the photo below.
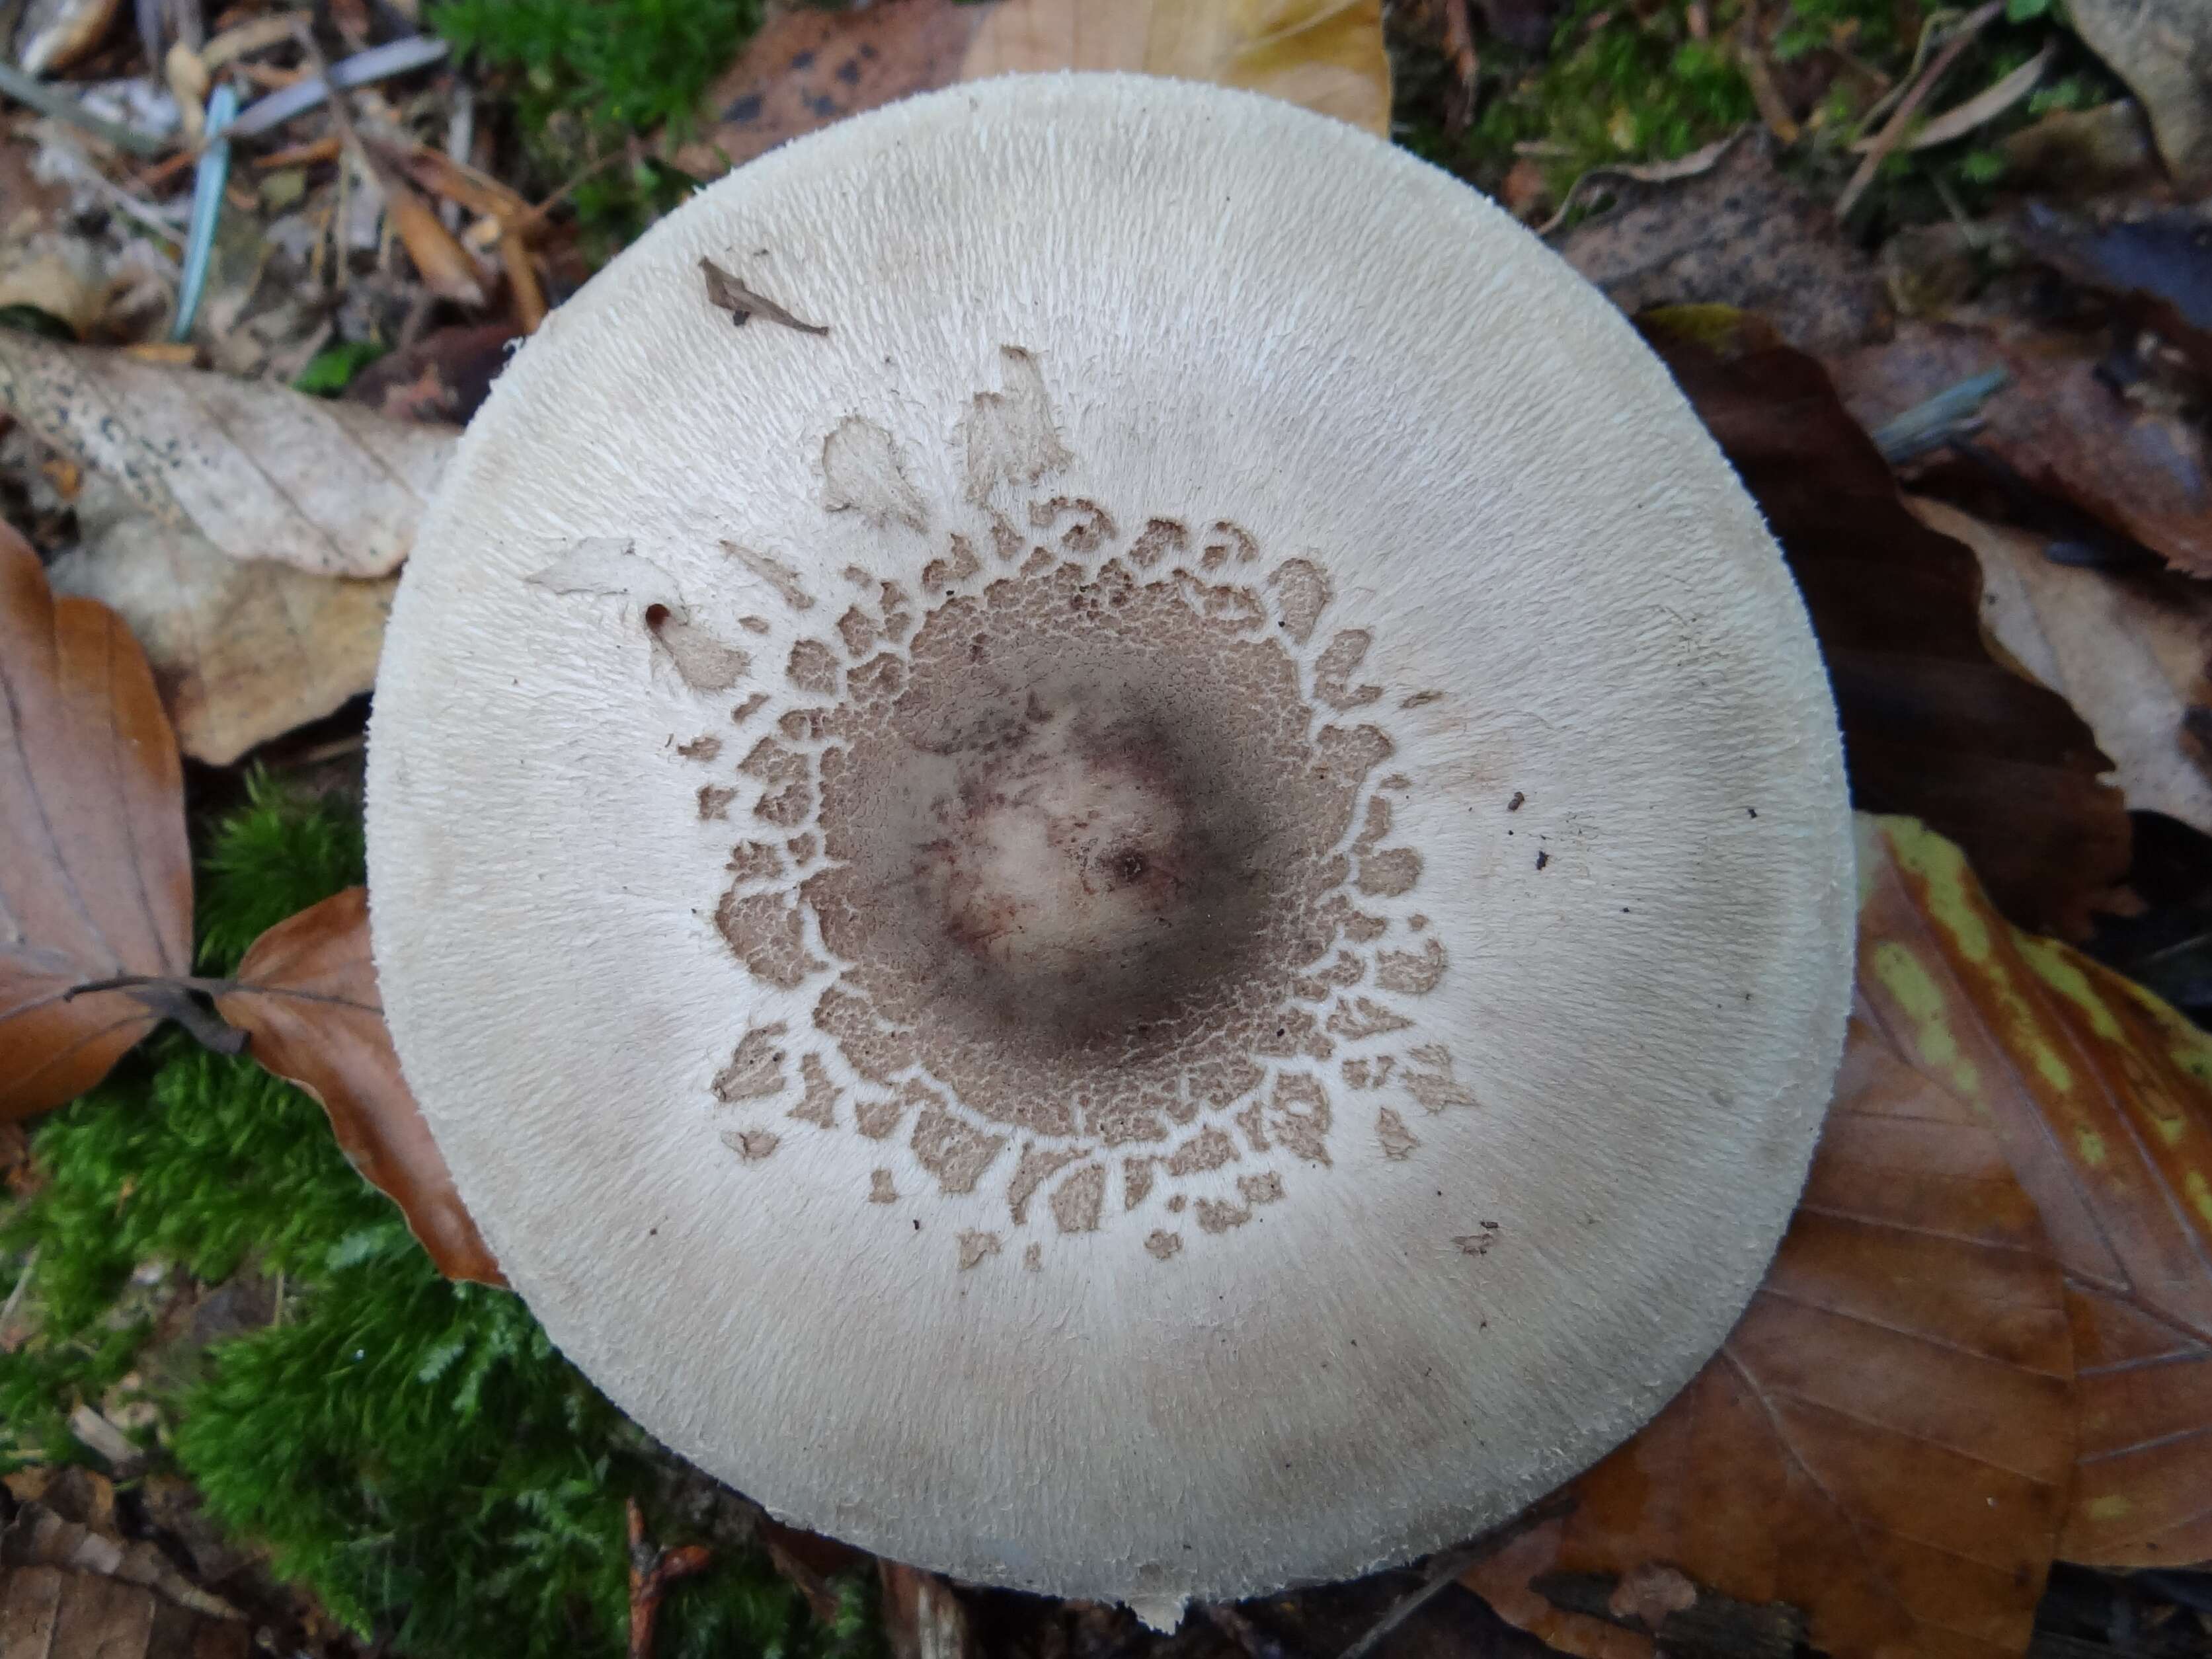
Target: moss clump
<point x="414" y="1451"/>
<point x="587" y="76"/>
<point x="618" y="65"/>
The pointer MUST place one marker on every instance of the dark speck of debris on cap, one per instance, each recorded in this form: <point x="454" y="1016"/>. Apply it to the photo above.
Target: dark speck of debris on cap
<point x="1542" y="859"/>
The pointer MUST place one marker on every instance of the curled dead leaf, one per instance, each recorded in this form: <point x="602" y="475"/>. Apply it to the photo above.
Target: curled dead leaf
<point x="2163" y="50"/>
<point x="95" y="872"/>
<point x="260" y="472"/>
<point x="2127" y="649"/>
<point x="306" y="996"/>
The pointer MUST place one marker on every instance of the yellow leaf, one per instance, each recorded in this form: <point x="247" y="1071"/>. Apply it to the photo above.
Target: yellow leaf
<point x="1326" y="55"/>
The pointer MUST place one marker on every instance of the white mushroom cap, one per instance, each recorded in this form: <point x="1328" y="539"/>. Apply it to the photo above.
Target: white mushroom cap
<point x="1171" y="916"/>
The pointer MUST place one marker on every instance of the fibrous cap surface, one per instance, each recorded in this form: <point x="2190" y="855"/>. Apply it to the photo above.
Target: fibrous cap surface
<point x="1172" y="915"/>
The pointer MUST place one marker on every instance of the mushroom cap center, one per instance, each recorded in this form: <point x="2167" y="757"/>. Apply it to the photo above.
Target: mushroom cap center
<point x="1067" y="852"/>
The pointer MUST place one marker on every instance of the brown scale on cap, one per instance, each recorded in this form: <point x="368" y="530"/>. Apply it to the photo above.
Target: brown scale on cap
<point x="1073" y="838"/>
<point x="1086" y="864"/>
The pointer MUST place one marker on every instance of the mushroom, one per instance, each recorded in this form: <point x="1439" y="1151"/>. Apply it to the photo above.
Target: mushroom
<point x="1171" y="915"/>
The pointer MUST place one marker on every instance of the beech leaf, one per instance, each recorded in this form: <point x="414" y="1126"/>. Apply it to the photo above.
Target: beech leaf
<point x="1986" y="1338"/>
<point x="307" y="997"/>
<point x="1882" y="1447"/>
<point x="96" y="871"/>
<point x="2101" y="1095"/>
<point x="1326" y="55"/>
<point x="261" y="472"/>
<point x="243" y="650"/>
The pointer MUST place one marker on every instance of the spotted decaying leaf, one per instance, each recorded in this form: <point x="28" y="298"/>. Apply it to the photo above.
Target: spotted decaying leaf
<point x="808" y="67"/>
<point x="259" y="471"/>
<point x="1326" y="55"/>
<point x="2101" y="1095"/>
<point x="1933" y="725"/>
<point x="1986" y="1339"/>
<point x="307" y="997"/>
<point x="95" y="872"/>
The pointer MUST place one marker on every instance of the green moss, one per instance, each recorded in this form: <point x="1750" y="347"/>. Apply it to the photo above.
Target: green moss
<point x="414" y="1451"/>
<point x="618" y="65"/>
<point x="586" y="76"/>
<point x="1622" y="85"/>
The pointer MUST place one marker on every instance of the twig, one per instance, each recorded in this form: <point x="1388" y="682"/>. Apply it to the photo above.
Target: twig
<point x="207" y="209"/>
<point x="1459" y="47"/>
<point x="1930" y="423"/>
<point x="651" y="1572"/>
<point x="1892" y="130"/>
<point x="413" y="51"/>
<point x="1446" y="1569"/>
<point x="49" y="101"/>
<point x="22" y="1283"/>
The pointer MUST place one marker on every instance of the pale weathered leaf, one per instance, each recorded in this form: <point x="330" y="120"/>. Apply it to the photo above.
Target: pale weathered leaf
<point x="1878" y="1461"/>
<point x="1739" y="233"/>
<point x="2163" y="50"/>
<point x="2128" y="652"/>
<point x="2102" y="1097"/>
<point x="1326" y="55"/>
<point x="95" y="872"/>
<point x="243" y="650"/>
<point x="306" y="996"/>
<point x="259" y="471"/>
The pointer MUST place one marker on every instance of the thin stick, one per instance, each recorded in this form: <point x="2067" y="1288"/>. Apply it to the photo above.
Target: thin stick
<point x="1893" y="132"/>
<point x="1446" y="1569"/>
<point x="22" y="1283"/>
<point x="48" y="101"/>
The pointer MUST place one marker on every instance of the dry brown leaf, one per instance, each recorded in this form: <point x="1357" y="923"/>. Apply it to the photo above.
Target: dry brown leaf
<point x="48" y="1613"/>
<point x="2144" y="470"/>
<point x="2101" y="1097"/>
<point x="1883" y="1446"/>
<point x="446" y="267"/>
<point x="1738" y="234"/>
<point x="1932" y="725"/>
<point x="1326" y="55"/>
<point x="95" y="872"/>
<point x="2128" y="652"/>
<point x="56" y="33"/>
<point x="808" y="67"/>
<point x="2163" y="50"/>
<point x="306" y="996"/>
<point x="260" y="472"/>
<point x="243" y="651"/>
